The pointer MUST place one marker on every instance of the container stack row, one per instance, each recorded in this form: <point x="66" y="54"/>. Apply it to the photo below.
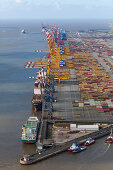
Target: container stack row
<point x="98" y="46"/>
<point x="95" y="85"/>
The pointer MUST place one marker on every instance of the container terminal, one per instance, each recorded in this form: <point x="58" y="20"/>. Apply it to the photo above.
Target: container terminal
<point x="73" y="90"/>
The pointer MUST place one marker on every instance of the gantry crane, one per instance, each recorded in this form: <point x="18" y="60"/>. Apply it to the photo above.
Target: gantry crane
<point x="57" y="62"/>
<point x="111" y="25"/>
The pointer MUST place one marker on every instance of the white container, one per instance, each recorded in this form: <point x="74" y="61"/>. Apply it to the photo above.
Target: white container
<point x="87" y="127"/>
<point x="37" y="91"/>
<point x="81" y="104"/>
<point x="92" y="102"/>
<point x="74" y="127"/>
<point x="97" y="103"/>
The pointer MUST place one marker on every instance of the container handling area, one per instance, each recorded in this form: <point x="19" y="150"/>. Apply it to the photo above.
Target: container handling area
<point x="73" y="90"/>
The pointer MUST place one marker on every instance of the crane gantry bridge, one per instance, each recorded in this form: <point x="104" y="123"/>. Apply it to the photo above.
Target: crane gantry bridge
<point x="56" y="61"/>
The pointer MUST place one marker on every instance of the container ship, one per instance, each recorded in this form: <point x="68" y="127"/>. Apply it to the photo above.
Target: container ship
<point x="37" y="99"/>
<point x="30" y="130"/>
<point x="39" y="90"/>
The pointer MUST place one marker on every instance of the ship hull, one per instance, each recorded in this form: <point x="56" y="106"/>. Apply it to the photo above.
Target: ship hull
<point x="109" y="141"/>
<point x="28" y="141"/>
<point x="87" y="144"/>
<point x="71" y="150"/>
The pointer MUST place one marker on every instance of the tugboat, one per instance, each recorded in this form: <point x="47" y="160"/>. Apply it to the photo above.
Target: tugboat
<point x="89" y="141"/>
<point x="109" y="138"/>
<point x="76" y="148"/>
<point x="82" y="148"/>
<point x="73" y="147"/>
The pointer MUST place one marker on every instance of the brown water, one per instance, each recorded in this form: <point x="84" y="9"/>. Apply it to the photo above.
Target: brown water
<point x="16" y="92"/>
<point x="96" y="157"/>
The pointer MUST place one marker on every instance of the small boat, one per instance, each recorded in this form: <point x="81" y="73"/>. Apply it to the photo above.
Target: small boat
<point x="82" y="148"/>
<point x="109" y="138"/>
<point x="76" y="148"/>
<point x="23" y="31"/>
<point x="89" y="141"/>
<point x="73" y="147"/>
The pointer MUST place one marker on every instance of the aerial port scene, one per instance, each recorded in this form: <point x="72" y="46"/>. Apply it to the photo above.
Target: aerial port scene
<point x="56" y="86"/>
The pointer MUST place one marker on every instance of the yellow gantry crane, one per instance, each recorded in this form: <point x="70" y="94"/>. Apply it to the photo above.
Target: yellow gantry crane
<point x="56" y="63"/>
<point x="111" y="25"/>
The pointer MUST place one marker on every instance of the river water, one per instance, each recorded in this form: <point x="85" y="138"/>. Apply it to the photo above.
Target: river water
<point x="16" y="92"/>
